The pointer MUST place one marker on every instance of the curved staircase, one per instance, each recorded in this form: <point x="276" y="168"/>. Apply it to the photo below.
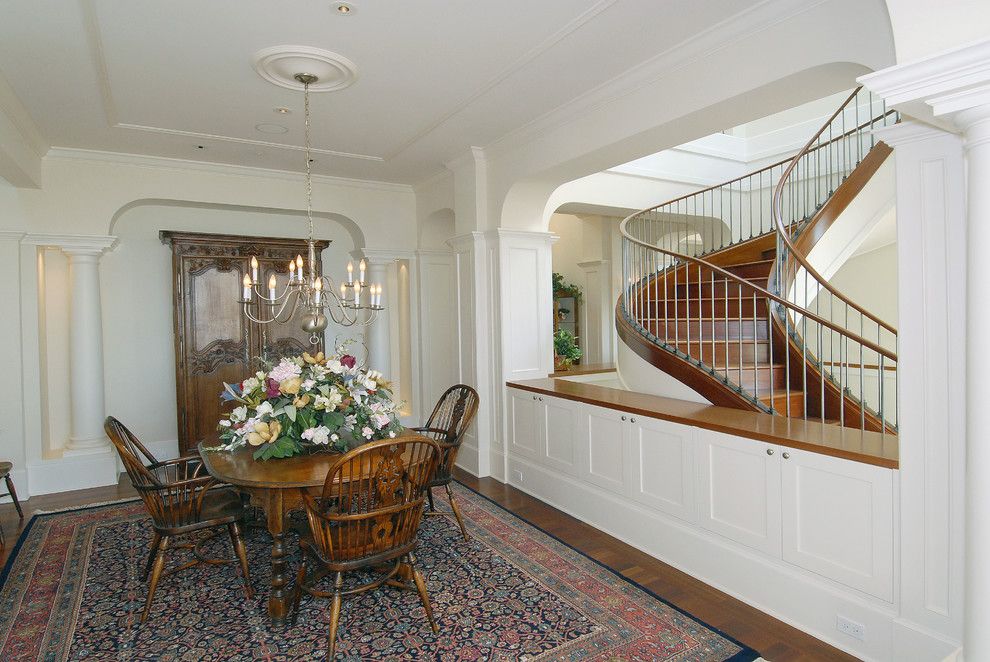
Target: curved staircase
<point x="721" y="296"/>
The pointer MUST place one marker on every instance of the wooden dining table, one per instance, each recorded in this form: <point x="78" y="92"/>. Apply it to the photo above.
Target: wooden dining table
<point x="276" y="486"/>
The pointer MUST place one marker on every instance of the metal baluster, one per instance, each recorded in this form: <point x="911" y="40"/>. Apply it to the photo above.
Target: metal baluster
<point x="714" y="359"/>
<point x="725" y="321"/>
<point x="701" y="342"/>
<point x="740" y="335"/>
<point x="756" y="356"/>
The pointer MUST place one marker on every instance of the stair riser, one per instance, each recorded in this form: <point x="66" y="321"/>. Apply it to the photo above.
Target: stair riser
<point x="707" y="330"/>
<point x="779" y="402"/>
<point x="690" y="308"/>
<point x="770" y="378"/>
<point x="708" y="352"/>
<point x="717" y="291"/>
<point x="758" y="270"/>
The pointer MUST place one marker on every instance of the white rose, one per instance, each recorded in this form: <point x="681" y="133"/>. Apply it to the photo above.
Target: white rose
<point x="239" y="414"/>
<point x="225" y="423"/>
<point x="264" y="409"/>
<point x="335" y="366"/>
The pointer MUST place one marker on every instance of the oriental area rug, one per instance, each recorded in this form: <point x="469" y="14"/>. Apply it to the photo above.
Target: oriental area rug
<point x="72" y="590"/>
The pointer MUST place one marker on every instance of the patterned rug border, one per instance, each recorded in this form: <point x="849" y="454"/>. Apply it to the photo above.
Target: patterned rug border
<point x="15" y="550"/>
<point x="746" y="654"/>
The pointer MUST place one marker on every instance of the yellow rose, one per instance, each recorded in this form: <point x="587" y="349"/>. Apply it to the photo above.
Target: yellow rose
<point x="264" y="432"/>
<point x="300" y="401"/>
<point x="290" y="386"/>
<point x="319" y="358"/>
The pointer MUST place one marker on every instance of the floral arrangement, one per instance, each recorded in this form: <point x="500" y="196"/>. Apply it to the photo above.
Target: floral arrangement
<point x="306" y="403"/>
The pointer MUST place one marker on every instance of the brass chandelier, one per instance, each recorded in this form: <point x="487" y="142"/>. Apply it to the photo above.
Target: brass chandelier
<point x="314" y="295"/>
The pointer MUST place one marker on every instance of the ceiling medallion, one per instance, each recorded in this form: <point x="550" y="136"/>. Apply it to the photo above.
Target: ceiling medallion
<point x="280" y="64"/>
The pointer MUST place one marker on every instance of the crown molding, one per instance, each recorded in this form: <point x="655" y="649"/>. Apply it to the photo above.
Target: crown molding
<point x="660" y="175"/>
<point x="81" y="243"/>
<point x="906" y="132"/>
<point x="168" y="163"/>
<point x="938" y="75"/>
<point x="11" y="235"/>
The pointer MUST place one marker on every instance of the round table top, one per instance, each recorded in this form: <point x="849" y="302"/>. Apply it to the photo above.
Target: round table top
<point x="240" y="468"/>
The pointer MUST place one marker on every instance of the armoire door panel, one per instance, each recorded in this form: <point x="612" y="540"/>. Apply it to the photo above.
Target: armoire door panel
<point x="214" y="341"/>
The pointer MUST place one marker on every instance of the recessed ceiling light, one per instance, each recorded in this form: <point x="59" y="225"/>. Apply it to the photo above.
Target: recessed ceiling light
<point x="282" y="110"/>
<point x="343" y="8"/>
<point x="270" y="128"/>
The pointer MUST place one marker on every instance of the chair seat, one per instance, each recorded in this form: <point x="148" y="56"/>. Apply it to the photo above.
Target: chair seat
<point x="5" y="468"/>
<point x="222" y="504"/>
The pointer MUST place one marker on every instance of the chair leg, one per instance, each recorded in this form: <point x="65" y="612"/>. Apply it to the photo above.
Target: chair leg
<point x="297" y="596"/>
<point x="238" y="541"/>
<point x="155" y="539"/>
<point x="429" y="496"/>
<point x="423" y="596"/>
<point x="156" y="573"/>
<point x="13" y="496"/>
<point x="335" y="615"/>
<point x="457" y="512"/>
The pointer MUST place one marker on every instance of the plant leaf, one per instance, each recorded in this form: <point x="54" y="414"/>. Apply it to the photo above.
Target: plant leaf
<point x="290" y="411"/>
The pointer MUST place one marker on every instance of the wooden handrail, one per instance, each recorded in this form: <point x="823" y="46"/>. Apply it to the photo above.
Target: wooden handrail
<point x="778" y="214"/>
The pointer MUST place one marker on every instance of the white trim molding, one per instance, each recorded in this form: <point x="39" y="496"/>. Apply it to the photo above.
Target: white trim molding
<point x="934" y="88"/>
<point x="72" y="242"/>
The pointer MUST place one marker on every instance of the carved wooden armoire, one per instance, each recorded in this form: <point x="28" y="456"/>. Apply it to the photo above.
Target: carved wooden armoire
<point x="214" y="341"/>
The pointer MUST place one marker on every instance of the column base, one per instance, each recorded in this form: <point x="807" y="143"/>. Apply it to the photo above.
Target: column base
<point x="86" y="446"/>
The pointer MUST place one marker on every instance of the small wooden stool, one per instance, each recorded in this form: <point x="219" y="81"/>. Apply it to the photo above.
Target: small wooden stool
<point x="5" y="468"/>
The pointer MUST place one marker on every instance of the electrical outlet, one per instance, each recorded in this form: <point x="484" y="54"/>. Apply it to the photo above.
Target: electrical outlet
<point x="517" y="476"/>
<point x="852" y="628"/>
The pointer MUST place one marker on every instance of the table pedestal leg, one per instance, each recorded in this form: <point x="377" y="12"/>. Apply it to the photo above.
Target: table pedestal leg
<point x="278" y="600"/>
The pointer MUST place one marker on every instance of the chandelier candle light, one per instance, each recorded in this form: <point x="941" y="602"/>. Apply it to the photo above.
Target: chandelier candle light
<point x="313" y="292"/>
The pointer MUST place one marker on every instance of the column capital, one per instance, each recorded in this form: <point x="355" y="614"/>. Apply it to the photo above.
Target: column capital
<point x="73" y="244"/>
<point x="938" y="88"/>
<point x="909" y="131"/>
<point x="383" y="255"/>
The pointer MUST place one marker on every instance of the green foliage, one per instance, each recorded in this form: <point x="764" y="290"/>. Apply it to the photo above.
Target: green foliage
<point x="565" y="347"/>
<point x="562" y="287"/>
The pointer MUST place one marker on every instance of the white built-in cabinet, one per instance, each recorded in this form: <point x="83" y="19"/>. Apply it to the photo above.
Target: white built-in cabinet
<point x="827" y="516"/>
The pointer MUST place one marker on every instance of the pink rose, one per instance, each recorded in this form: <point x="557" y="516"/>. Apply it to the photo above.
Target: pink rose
<point x="271" y="388"/>
<point x="348" y="360"/>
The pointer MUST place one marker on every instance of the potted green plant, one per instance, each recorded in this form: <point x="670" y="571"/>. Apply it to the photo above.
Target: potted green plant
<point x="565" y="349"/>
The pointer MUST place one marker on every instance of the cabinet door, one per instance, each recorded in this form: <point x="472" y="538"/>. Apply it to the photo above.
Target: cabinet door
<point x="558" y="448"/>
<point x="213" y="344"/>
<point x="602" y="449"/>
<point x="661" y="466"/>
<point x="524" y="424"/>
<point x="838" y="520"/>
<point x="740" y="490"/>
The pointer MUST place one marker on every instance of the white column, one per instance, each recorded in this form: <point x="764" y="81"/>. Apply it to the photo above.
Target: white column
<point x="379" y="344"/>
<point x="952" y="89"/>
<point x="86" y="350"/>
<point x="976" y="640"/>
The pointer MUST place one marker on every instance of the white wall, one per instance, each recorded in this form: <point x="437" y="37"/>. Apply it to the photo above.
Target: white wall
<point x="133" y="198"/>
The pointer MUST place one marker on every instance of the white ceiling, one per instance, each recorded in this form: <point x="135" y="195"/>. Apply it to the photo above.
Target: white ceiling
<point x="159" y="77"/>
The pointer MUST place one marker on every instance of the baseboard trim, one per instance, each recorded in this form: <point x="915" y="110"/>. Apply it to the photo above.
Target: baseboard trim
<point x="72" y="472"/>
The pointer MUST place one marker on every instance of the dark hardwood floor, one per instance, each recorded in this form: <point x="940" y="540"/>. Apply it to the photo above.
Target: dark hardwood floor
<point x="776" y="641"/>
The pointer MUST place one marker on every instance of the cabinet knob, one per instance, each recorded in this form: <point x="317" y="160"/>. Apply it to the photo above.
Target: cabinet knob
<point x="541" y="399"/>
<point x="632" y="420"/>
<point x="623" y="418"/>
<point x="769" y="451"/>
<point x="534" y="397"/>
<point x="787" y="456"/>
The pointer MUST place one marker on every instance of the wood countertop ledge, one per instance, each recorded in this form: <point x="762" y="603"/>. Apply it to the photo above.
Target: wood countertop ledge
<point x="846" y="443"/>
